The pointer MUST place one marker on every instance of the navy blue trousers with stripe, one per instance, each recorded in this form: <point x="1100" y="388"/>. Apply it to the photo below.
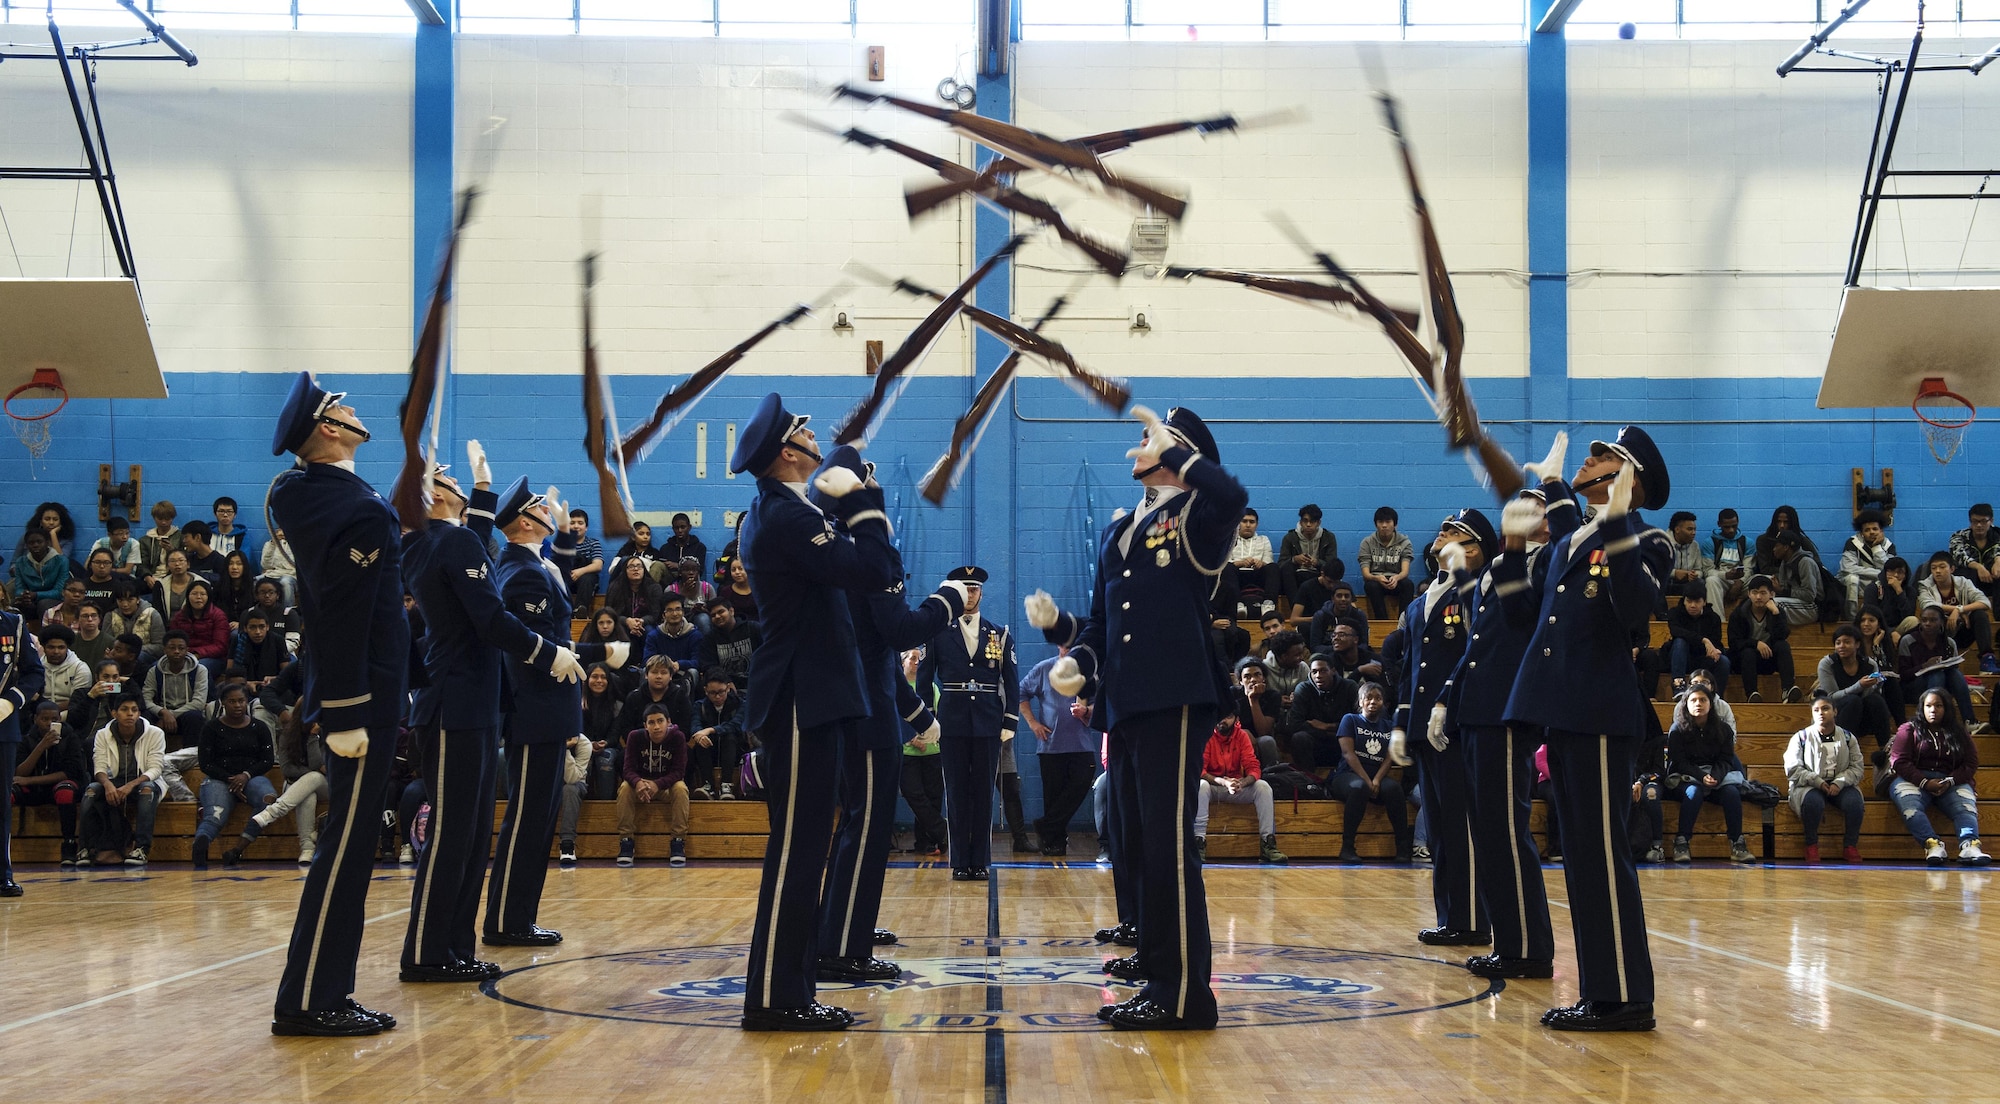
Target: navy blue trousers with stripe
<point x="1592" y="778"/>
<point x="784" y="944"/>
<point x="326" y="937"/>
<point x="1501" y="792"/>
<point x="970" y="766"/>
<point x="1454" y="869"/>
<point x="1155" y="766"/>
<point x="521" y="861"/>
<point x="852" y="898"/>
<point x="460" y="767"/>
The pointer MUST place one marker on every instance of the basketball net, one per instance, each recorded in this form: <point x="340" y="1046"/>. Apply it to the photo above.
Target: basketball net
<point x="1945" y="415"/>
<point x="32" y="409"/>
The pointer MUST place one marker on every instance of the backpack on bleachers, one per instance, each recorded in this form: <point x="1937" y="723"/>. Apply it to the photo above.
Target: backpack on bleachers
<point x="1290" y="784"/>
<point x="750" y="776"/>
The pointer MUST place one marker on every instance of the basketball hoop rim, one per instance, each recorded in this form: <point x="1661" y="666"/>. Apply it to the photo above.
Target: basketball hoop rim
<point x="1944" y="423"/>
<point x="8" y="403"/>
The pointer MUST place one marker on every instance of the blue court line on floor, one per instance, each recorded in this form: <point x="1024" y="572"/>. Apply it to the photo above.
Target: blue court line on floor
<point x="996" y="1038"/>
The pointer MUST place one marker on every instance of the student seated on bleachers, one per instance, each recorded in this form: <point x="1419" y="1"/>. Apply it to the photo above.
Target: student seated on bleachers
<point x="1729" y="550"/>
<point x="1823" y="769"/>
<point x="1784" y="519"/>
<point x="602" y="704"/>
<point x="1306" y="554"/>
<point x="51" y="770"/>
<point x="1975" y="550"/>
<point x="1701" y="756"/>
<point x="577" y="756"/>
<point x="256" y="654"/>
<point x="302" y="759"/>
<point x="1351" y="656"/>
<point x="1385" y="556"/>
<point x="1253" y="568"/>
<point x="1230" y="774"/>
<point x="655" y="768"/>
<point x="1319" y="704"/>
<point x="634" y="597"/>
<point x="155" y="543"/>
<point x="1968" y="613"/>
<point x="1880" y="646"/>
<point x="675" y="638"/>
<point x="1691" y="562"/>
<point x="1260" y="708"/>
<point x="605" y="627"/>
<point x="237" y="751"/>
<point x="1934" y="760"/>
<point x="1759" y="640"/>
<point x="206" y="628"/>
<point x="1285" y="660"/>
<point x="127" y="762"/>
<point x="1895" y="595"/>
<point x="1646" y="825"/>
<point x="1231" y="641"/>
<point x="131" y="614"/>
<point x="717" y="743"/>
<point x="1930" y="660"/>
<point x="175" y="692"/>
<point x="1338" y="610"/>
<point x="39" y="572"/>
<point x="1851" y="681"/>
<point x="66" y="671"/>
<point x="1694" y="637"/>
<point x="727" y="645"/>
<point x="1366" y="775"/>
<point x="1797" y="581"/>
<point x="1863" y="556"/>
<point x="125" y="558"/>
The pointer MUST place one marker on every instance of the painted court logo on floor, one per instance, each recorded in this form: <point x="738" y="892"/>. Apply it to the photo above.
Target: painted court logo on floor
<point x="1043" y="985"/>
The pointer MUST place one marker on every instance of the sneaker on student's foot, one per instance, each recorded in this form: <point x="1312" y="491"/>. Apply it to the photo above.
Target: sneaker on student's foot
<point x="1739" y="851"/>
<point x="1269" y="608"/>
<point x="1989" y="665"/>
<point x="1755" y="696"/>
<point x="1656" y="854"/>
<point x="407" y="856"/>
<point x="701" y="793"/>
<point x="1792" y="695"/>
<point x="135" y="857"/>
<point x="1934" y="851"/>
<point x="1970" y="854"/>
<point x="627" y="850"/>
<point x="305" y="856"/>
<point x="70" y="853"/>
<point x="728" y="792"/>
<point x="680" y="854"/>
<point x="568" y="855"/>
<point x="1681" y="852"/>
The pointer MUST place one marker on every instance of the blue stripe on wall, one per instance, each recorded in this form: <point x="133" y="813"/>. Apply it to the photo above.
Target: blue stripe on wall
<point x="1548" y="221"/>
<point x="431" y="117"/>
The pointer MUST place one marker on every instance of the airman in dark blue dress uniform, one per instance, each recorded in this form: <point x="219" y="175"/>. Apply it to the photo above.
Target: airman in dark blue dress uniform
<point x="806" y="686"/>
<point x="468" y="635"/>
<point x="545" y="713"/>
<point x="348" y="547"/>
<point x="1145" y="660"/>
<point x="978" y="684"/>
<point x="1499" y="757"/>
<point x="21" y="678"/>
<point x="1597" y="585"/>
<point x="871" y="757"/>
<point x="1436" y="623"/>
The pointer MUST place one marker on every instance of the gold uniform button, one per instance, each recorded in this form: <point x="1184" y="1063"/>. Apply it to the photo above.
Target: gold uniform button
<point x="1127" y="605"/>
<point x="1545" y="651"/>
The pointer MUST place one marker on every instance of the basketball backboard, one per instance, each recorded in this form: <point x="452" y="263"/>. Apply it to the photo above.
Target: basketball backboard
<point x="1889" y="340"/>
<point x="92" y="330"/>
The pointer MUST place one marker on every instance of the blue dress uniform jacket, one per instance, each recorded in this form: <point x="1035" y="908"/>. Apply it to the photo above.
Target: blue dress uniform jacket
<point x="349" y="550"/>
<point x="1503" y="603"/>
<point x="534" y="589"/>
<point x="1158" y="591"/>
<point x="22" y="676"/>
<point x="977" y="694"/>
<point x="1435" y="626"/>
<point x="799" y="567"/>
<point x="467" y="627"/>
<point x="1597" y="585"/>
<point x="885" y="627"/>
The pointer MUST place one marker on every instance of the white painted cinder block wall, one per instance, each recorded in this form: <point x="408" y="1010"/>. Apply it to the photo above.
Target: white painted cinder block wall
<point x="1696" y="157"/>
<point x="267" y="191"/>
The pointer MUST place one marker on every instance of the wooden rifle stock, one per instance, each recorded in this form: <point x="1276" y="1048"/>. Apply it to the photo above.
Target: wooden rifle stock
<point x="965" y="432"/>
<point x="409" y="496"/>
<point x="617" y="522"/>
<point x="684" y="394"/>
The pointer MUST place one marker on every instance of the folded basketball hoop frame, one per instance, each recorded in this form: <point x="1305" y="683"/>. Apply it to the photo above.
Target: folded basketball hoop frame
<point x="1893" y="76"/>
<point x="89" y="120"/>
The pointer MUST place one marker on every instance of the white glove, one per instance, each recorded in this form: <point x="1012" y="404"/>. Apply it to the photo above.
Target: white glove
<point x="1618" y="502"/>
<point x="956" y="587"/>
<point x="1552" y="467"/>
<point x="351" y="744"/>
<point x="558" y="509"/>
<point x="1435" y="733"/>
<point x="1158" y="440"/>
<point x="6" y="710"/>
<point x="1399" y="748"/>
<point x="565" y="666"/>
<point x="1006" y="734"/>
<point x="1066" y="677"/>
<point x="482" y="472"/>
<point x="616" y="652"/>
<point x="869" y="467"/>
<point x="926" y="738"/>
<point x="1042" y="611"/>
<point x="1451" y="557"/>
<point x="838" y="483"/>
<point x="1520" y="518"/>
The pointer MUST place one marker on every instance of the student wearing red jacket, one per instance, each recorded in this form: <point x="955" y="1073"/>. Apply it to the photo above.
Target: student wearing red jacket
<point x="1230" y="774"/>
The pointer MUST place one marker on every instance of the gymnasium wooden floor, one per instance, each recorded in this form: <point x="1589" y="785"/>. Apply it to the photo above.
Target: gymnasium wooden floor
<point x="1777" y="983"/>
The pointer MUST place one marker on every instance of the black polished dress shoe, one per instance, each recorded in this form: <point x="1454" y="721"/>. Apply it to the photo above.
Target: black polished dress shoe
<point x="1056" y="850"/>
<point x="452" y="971"/>
<point x="832" y="968"/>
<point x="1596" y="1015"/>
<point x="490" y="969"/>
<point x="1143" y="1015"/>
<point x="387" y="1021"/>
<point x="11" y="888"/>
<point x="332" y="1023"/>
<point x="884" y="937"/>
<point x="535" y="936"/>
<point x="1126" y="970"/>
<point x="1106" y="935"/>
<point x="961" y="874"/>
<point x="1105" y="1011"/>
<point x="813" y="1017"/>
<point x="1494" y="966"/>
<point x="979" y="874"/>
<point x="1454" y="937"/>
